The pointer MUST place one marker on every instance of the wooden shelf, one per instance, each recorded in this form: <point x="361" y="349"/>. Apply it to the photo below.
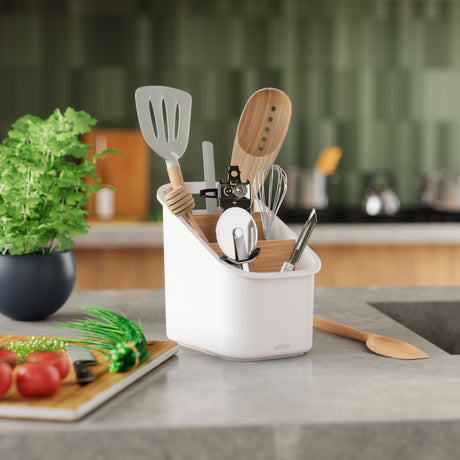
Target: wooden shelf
<point x="119" y="268"/>
<point x="385" y="265"/>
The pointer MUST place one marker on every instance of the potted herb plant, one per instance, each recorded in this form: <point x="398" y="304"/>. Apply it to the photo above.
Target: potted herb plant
<point x="43" y="164"/>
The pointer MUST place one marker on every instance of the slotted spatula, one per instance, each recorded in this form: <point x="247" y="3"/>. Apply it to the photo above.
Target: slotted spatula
<point x="164" y="118"/>
<point x="261" y="131"/>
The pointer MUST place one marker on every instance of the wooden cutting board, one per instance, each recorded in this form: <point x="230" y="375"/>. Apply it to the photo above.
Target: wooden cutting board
<point x="72" y="401"/>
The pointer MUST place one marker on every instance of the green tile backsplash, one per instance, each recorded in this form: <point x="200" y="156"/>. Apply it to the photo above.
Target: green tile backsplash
<point x="379" y="78"/>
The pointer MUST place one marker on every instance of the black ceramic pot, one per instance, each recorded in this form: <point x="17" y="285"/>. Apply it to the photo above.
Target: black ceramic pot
<point x="33" y="287"/>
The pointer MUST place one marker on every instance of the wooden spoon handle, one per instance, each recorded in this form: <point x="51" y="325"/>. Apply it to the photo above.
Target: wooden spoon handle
<point x="340" y="329"/>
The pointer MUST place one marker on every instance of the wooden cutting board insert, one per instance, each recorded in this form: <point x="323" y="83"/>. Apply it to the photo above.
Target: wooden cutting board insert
<point x="72" y="401"/>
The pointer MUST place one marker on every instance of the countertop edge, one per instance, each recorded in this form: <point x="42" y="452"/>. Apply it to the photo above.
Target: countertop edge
<point x="338" y="401"/>
<point x="150" y="234"/>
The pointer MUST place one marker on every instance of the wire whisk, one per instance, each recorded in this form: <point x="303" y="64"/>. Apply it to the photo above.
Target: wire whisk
<point x="270" y="186"/>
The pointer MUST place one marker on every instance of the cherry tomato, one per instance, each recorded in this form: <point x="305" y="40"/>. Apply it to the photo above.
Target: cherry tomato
<point x="56" y="358"/>
<point x="6" y="377"/>
<point x="8" y="356"/>
<point x="37" y="379"/>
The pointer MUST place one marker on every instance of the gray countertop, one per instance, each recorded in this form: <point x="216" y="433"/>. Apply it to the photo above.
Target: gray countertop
<point x="337" y="401"/>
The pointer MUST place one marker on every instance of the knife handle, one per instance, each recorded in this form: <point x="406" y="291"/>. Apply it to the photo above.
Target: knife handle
<point x="84" y="375"/>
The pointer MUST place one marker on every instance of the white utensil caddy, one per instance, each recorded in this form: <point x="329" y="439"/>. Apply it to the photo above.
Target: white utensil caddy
<point x="219" y="309"/>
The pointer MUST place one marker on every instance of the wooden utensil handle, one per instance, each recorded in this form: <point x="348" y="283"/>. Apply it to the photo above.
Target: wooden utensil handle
<point x="175" y="177"/>
<point x="340" y="329"/>
<point x="191" y="220"/>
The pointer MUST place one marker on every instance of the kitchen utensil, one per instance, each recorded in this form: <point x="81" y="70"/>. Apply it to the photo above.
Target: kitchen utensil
<point x="231" y="192"/>
<point x="328" y="160"/>
<point x="308" y="188"/>
<point x="244" y="262"/>
<point x="372" y="203"/>
<point x="379" y="195"/>
<point x="261" y="131"/>
<point x="209" y="174"/>
<point x="390" y="201"/>
<point x="72" y="401"/>
<point x="301" y="242"/>
<point x="164" y="118"/>
<point x="385" y="346"/>
<point x="236" y="233"/>
<point x="241" y="251"/>
<point x="270" y="186"/>
<point x="81" y="357"/>
<point x="441" y="191"/>
<point x="229" y="312"/>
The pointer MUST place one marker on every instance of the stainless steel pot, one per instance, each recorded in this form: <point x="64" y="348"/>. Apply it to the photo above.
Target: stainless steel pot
<point x="379" y="195"/>
<point x="307" y="188"/>
<point x="441" y="191"/>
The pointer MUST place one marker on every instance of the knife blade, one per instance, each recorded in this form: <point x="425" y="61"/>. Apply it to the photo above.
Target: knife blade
<point x="81" y="357"/>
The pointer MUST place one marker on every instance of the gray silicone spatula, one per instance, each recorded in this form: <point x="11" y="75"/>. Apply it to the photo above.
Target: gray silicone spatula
<point x="164" y="118"/>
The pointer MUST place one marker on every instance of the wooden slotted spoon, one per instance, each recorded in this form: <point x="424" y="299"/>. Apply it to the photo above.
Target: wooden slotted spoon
<point x="385" y="346"/>
<point x="261" y="131"/>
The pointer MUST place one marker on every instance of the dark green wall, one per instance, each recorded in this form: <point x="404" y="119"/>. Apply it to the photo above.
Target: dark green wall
<point x="379" y="78"/>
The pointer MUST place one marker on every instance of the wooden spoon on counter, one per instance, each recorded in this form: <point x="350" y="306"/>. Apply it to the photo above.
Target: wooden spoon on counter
<point x="261" y="131"/>
<point x="385" y="346"/>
